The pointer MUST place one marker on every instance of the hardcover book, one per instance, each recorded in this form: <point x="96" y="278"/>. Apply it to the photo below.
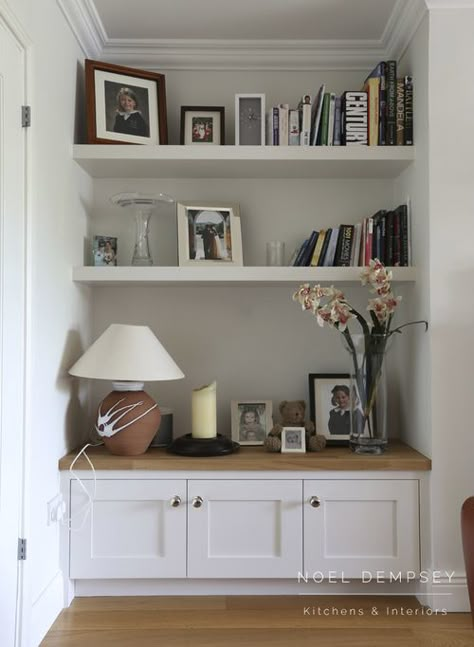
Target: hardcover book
<point x="328" y="260"/>
<point x="323" y="130"/>
<point x="355" y="118"/>
<point x="337" y="122"/>
<point x="391" y="103"/>
<point x="294" y="128"/>
<point x="316" y="115"/>
<point x="344" y="246"/>
<point x="400" y="112"/>
<point x="305" y="120"/>
<point x="408" y="111"/>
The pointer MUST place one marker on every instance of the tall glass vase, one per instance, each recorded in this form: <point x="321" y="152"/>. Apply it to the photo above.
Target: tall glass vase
<point x="368" y="392"/>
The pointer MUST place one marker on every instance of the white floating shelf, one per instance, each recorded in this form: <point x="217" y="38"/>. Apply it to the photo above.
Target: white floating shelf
<point x="132" y="161"/>
<point x="227" y="276"/>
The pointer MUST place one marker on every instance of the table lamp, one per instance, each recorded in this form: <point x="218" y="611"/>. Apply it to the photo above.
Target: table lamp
<point x="127" y="418"/>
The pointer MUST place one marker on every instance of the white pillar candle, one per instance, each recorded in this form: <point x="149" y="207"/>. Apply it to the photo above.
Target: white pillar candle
<point x="204" y="415"/>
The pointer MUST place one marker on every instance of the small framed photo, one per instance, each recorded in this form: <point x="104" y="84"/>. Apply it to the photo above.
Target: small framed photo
<point x="202" y="125"/>
<point x="330" y="406"/>
<point x="105" y="251"/>
<point x="251" y="421"/>
<point x="209" y="234"/>
<point x="250" y="120"/>
<point x="293" y="439"/>
<point x="125" y="105"/>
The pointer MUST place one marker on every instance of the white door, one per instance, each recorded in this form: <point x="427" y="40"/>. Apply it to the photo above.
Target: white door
<point x="244" y="529"/>
<point x="12" y="326"/>
<point x="133" y="528"/>
<point x="351" y="526"/>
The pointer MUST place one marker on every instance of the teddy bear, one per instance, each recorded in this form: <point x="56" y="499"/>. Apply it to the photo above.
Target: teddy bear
<point x="293" y="415"/>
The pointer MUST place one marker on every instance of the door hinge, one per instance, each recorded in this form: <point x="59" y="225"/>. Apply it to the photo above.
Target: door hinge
<point x="26" y="116"/>
<point x="21" y="549"/>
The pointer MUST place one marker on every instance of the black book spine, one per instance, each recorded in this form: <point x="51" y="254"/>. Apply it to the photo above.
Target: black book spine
<point x="383" y="104"/>
<point x="300" y="255"/>
<point x="324" y="249"/>
<point x="391" y="103"/>
<point x="383" y="239"/>
<point x="408" y="111"/>
<point x="403" y="211"/>
<point x="389" y="239"/>
<point x="396" y="238"/>
<point x="344" y="246"/>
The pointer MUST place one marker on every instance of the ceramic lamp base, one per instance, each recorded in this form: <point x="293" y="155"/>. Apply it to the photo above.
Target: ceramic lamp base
<point x="132" y="417"/>
<point x="189" y="446"/>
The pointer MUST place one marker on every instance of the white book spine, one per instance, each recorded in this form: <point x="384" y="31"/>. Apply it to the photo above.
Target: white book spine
<point x="294" y="128"/>
<point x="356" y="246"/>
<point x="305" y="114"/>
<point x="284" y="109"/>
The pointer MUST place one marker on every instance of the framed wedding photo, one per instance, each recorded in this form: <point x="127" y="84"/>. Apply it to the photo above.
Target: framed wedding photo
<point x="251" y="421"/>
<point x="209" y="234"/>
<point x="125" y="105"/>
<point x="202" y="125"/>
<point x="293" y="439"/>
<point x="330" y="406"/>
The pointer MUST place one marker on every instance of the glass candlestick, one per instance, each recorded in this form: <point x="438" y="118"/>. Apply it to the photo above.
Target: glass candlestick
<point x="143" y="206"/>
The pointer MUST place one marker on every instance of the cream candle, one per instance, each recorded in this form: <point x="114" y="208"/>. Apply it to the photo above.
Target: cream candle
<point x="204" y="414"/>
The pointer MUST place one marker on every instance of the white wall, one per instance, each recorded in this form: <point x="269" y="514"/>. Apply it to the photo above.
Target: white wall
<point x="58" y="314"/>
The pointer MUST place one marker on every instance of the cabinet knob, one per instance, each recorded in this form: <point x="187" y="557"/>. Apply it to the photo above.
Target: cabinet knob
<point x="175" y="501"/>
<point x="197" y="502"/>
<point x="315" y="502"/>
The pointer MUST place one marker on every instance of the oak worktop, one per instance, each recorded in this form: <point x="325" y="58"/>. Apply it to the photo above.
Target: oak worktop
<point x="398" y="457"/>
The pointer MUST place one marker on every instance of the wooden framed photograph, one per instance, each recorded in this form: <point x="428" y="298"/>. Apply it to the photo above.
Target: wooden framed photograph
<point x="250" y="120"/>
<point x="209" y="234"/>
<point x="330" y="406"/>
<point x="125" y="105"/>
<point x="293" y="439"/>
<point x="202" y="125"/>
<point x="251" y="421"/>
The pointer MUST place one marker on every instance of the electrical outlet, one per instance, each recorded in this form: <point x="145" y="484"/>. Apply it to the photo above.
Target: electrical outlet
<point x="56" y="509"/>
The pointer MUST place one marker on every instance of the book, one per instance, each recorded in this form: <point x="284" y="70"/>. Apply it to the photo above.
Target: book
<point x="294" y="255"/>
<point x="328" y="260"/>
<point x="356" y="246"/>
<point x="400" y="112"/>
<point x="308" y="252"/>
<point x="324" y="250"/>
<point x="369" y="232"/>
<point x="402" y="211"/>
<point x="294" y="128"/>
<point x="408" y="131"/>
<point x="300" y="253"/>
<point x="391" y="103"/>
<point x="377" y="238"/>
<point x="316" y="114"/>
<point x="276" y="127"/>
<point x="372" y="87"/>
<point x="396" y="238"/>
<point x="332" y="106"/>
<point x="344" y="246"/>
<point x="305" y="120"/>
<point x="323" y="130"/>
<point x="383" y="104"/>
<point x="318" y="248"/>
<point x="337" y="122"/>
<point x="389" y="239"/>
<point x="283" y="110"/>
<point x="354" y="118"/>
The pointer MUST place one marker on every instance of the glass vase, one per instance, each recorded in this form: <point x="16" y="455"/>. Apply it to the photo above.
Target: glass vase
<point x="368" y="353"/>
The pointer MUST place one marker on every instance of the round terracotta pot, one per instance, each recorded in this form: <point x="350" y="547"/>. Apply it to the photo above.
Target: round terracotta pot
<point x="137" y="427"/>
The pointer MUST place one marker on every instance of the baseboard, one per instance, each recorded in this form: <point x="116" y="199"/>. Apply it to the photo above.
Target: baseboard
<point x="445" y="593"/>
<point x="46" y="609"/>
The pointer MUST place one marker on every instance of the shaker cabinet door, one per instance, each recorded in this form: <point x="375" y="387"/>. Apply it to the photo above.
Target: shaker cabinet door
<point x="352" y="526"/>
<point x="132" y="529"/>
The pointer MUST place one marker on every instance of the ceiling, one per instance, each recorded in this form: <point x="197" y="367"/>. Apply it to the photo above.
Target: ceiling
<point x="246" y="19"/>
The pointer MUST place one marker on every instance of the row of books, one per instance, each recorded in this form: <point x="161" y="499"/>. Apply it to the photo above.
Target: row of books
<point x="380" y="114"/>
<point x="385" y="235"/>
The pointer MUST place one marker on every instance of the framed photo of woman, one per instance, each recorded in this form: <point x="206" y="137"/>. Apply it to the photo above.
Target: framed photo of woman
<point x="125" y="105"/>
<point x="330" y="406"/>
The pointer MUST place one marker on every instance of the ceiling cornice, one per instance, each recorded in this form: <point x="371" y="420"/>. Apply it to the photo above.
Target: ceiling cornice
<point x="180" y="54"/>
<point x="450" y="4"/>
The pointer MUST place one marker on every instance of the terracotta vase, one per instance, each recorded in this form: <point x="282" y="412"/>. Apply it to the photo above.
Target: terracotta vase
<point x="137" y="426"/>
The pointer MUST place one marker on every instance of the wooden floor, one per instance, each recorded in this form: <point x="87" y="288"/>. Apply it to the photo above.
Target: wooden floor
<point x="262" y="621"/>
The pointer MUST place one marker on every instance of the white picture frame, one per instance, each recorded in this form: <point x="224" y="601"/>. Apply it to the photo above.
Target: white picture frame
<point x="254" y="430"/>
<point x="250" y="120"/>
<point x="293" y="440"/>
<point x="209" y="233"/>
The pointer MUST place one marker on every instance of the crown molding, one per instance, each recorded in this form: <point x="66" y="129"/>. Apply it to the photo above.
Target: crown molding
<point x="450" y="4"/>
<point x="86" y="25"/>
<point x="401" y="27"/>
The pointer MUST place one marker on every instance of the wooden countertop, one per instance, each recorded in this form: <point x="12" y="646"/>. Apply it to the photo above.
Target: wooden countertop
<point x="398" y="457"/>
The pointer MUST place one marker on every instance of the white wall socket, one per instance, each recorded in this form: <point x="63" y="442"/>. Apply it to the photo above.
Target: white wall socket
<point x="56" y="509"/>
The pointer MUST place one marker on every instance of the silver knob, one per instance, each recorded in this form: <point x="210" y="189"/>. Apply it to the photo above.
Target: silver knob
<point x="197" y="502"/>
<point x="315" y="502"/>
<point x="175" y="501"/>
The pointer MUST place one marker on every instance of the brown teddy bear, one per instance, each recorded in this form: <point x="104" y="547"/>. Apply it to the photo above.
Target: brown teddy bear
<point x="293" y="415"/>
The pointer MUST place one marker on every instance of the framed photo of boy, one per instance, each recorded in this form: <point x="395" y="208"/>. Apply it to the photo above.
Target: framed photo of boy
<point x="125" y="105"/>
<point x="209" y="234"/>
<point x="251" y="421"/>
<point x="293" y="439"/>
<point x="330" y="406"/>
<point x="202" y="125"/>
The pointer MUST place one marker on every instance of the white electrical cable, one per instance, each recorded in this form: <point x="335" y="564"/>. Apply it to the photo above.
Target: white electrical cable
<point x="86" y="508"/>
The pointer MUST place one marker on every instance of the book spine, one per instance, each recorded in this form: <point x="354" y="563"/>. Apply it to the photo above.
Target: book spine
<point x="389" y="239"/>
<point x="404" y="242"/>
<point x="369" y="233"/>
<point x="324" y="250"/>
<point x="356" y="245"/>
<point x="276" y="126"/>
<point x="316" y="115"/>
<point x="391" y="103"/>
<point x="305" y="124"/>
<point x="355" y="118"/>
<point x="299" y="256"/>
<point x="294" y="128"/>
<point x="408" y="111"/>
<point x="309" y="251"/>
<point x="332" y="107"/>
<point x="383" y="238"/>
<point x="323" y="131"/>
<point x="344" y="246"/>
<point x="283" y="110"/>
<point x="400" y="112"/>
<point x="337" y="122"/>
<point x="396" y="238"/>
<point x="331" y="253"/>
<point x="383" y="104"/>
<point x="372" y="86"/>
<point x="317" y="248"/>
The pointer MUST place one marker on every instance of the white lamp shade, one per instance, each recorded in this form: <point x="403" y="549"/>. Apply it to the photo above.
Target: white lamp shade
<point x="127" y="353"/>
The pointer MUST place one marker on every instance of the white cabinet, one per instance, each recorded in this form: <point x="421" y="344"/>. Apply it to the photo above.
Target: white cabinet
<point x="131" y="529"/>
<point x="351" y="526"/>
<point x="244" y="528"/>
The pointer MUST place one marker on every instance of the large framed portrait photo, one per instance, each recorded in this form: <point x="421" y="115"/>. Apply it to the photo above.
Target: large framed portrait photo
<point x="330" y="406"/>
<point x="251" y="421"/>
<point x="209" y="234"/>
<point x="125" y="105"/>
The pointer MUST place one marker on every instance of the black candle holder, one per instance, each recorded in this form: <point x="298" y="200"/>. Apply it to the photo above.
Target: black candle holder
<point x="217" y="446"/>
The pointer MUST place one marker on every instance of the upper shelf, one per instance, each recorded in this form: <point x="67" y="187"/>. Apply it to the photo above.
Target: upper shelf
<point x="227" y="276"/>
<point x="133" y="161"/>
